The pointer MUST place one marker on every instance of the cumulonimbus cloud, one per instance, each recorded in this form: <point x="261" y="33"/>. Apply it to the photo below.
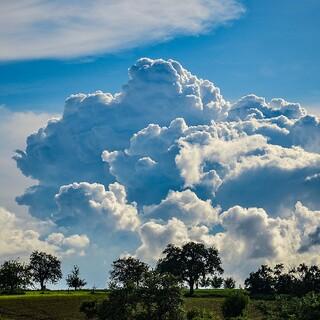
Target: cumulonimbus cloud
<point x="169" y="159"/>
<point x="58" y="29"/>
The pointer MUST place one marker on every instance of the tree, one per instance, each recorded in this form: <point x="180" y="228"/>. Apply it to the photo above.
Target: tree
<point x="306" y="279"/>
<point x="44" y="268"/>
<point x="261" y="281"/>
<point x="161" y="295"/>
<point x="128" y="270"/>
<point x="73" y="279"/>
<point x="216" y="282"/>
<point x="229" y="283"/>
<point x="191" y="263"/>
<point x="14" y="276"/>
<point x="155" y="297"/>
<point x="284" y="283"/>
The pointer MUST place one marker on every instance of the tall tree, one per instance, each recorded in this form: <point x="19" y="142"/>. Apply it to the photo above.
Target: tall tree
<point x="44" y="268"/>
<point x="73" y="279"/>
<point x="14" y="276"/>
<point x="127" y="271"/>
<point x="191" y="263"/>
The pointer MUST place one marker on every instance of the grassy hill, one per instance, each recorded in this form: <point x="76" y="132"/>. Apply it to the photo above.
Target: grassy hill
<point x="64" y="305"/>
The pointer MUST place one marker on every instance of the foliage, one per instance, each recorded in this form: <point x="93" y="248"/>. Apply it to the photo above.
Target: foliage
<point x="216" y="282"/>
<point x="261" y="281"/>
<point x="128" y="270"/>
<point x="89" y="308"/>
<point x="235" y="305"/>
<point x="14" y="277"/>
<point x="73" y="279"/>
<point x="293" y="308"/>
<point x="229" y="283"/>
<point x="150" y="296"/>
<point x="44" y="268"/>
<point x="191" y="263"/>
<point x="298" y="281"/>
<point x="306" y="279"/>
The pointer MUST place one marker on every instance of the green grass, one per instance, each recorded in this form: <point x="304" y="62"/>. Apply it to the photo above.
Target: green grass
<point x="54" y="294"/>
<point x="61" y="305"/>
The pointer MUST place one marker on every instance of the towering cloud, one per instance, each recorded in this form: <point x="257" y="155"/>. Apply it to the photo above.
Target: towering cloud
<point x="168" y="159"/>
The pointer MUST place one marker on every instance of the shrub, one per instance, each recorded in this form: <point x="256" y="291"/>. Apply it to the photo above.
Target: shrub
<point x="288" y="308"/>
<point x="235" y="305"/>
<point x="155" y="297"/>
<point x="89" y="308"/>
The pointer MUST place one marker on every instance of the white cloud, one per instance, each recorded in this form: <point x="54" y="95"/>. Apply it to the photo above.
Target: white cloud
<point x="59" y="29"/>
<point x="14" y="127"/>
<point x="90" y="205"/>
<point x="155" y="237"/>
<point x="185" y="206"/>
<point x="107" y="166"/>
<point x="19" y="237"/>
<point x="250" y="238"/>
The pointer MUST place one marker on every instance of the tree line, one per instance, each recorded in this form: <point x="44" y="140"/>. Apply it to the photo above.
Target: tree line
<point x="296" y="281"/>
<point x="192" y="264"/>
<point x="43" y="268"/>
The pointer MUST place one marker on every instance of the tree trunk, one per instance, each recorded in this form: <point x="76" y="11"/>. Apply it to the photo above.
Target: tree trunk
<point x="43" y="287"/>
<point x="191" y="285"/>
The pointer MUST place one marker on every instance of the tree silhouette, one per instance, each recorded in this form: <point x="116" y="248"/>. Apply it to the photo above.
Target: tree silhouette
<point x="73" y="279"/>
<point x="14" y="276"/>
<point x="44" y="268"/>
<point x="191" y="263"/>
<point x="128" y="270"/>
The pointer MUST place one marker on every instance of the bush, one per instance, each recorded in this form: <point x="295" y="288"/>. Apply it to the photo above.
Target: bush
<point x="288" y="308"/>
<point x="89" y="308"/>
<point x="156" y="296"/>
<point x="235" y="305"/>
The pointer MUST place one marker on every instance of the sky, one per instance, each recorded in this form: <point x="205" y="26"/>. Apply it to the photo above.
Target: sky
<point x="168" y="123"/>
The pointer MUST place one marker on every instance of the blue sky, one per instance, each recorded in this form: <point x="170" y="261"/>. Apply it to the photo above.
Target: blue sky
<point x="168" y="159"/>
<point x="272" y="50"/>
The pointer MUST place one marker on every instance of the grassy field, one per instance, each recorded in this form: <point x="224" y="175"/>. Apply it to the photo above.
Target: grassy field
<point x="63" y="305"/>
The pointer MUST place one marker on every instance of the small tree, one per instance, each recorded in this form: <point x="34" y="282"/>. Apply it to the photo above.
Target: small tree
<point x="73" y="279"/>
<point x="216" y="282"/>
<point x="44" y="268"/>
<point x="191" y="263"/>
<point x="14" y="276"/>
<point x="229" y="283"/>
<point x="128" y="270"/>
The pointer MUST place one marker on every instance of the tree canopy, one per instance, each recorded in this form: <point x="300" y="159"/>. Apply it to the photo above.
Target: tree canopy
<point x="128" y="270"/>
<point x="14" y="276"/>
<point x="191" y="263"/>
<point x="44" y="268"/>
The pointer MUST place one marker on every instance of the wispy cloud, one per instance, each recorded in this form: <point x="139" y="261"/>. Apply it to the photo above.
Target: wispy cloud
<point x="32" y="29"/>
